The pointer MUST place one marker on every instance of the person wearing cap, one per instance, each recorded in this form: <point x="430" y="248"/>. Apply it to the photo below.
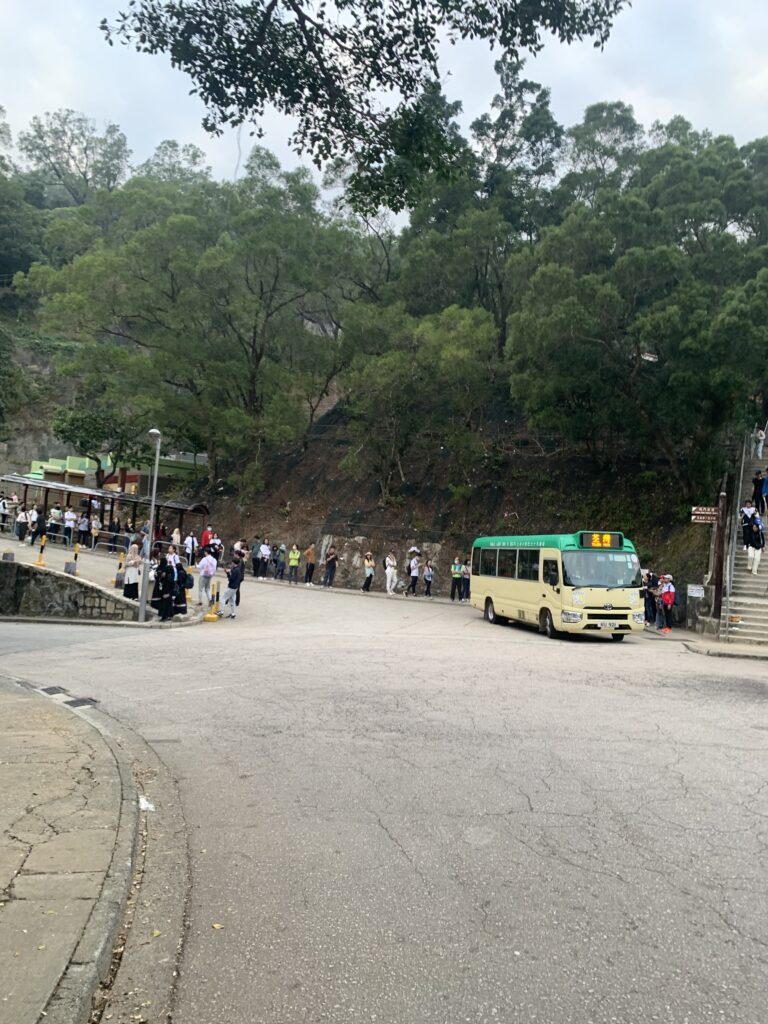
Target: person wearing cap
<point x="665" y="603"/>
<point x="370" y="568"/>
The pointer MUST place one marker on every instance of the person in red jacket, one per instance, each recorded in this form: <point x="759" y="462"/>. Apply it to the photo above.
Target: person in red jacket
<point x="206" y="536"/>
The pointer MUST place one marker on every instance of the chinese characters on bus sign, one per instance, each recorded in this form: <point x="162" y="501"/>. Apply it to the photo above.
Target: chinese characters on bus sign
<point x="601" y="540"/>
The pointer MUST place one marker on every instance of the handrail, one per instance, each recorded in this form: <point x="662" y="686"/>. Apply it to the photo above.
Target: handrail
<point x="733" y="538"/>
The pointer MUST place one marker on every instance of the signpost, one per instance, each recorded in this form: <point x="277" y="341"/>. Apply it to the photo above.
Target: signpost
<point x="705" y="514"/>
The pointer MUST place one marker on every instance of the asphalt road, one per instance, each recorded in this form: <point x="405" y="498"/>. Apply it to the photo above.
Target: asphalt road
<point x="400" y="814"/>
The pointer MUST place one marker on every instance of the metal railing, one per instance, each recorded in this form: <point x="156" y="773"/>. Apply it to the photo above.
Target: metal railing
<point x="732" y="540"/>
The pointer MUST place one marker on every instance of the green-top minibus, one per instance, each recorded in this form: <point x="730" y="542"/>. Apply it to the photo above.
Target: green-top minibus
<point x="585" y="582"/>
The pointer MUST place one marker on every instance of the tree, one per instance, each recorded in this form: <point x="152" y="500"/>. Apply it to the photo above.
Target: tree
<point x="327" y="65"/>
<point x="109" y="437"/>
<point x="66" y="147"/>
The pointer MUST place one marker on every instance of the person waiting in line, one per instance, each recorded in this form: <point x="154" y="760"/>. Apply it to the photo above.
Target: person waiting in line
<point x="163" y="590"/>
<point x="755" y="545"/>
<point x="265" y="555"/>
<point x="180" y="589"/>
<point x="131" y="578"/>
<point x="234" y="579"/>
<point x="70" y="525"/>
<point x="369" y="568"/>
<point x="280" y="563"/>
<point x="310" y="557"/>
<point x="294" y="556"/>
<point x="32" y="516"/>
<point x="749" y="515"/>
<point x="429" y="575"/>
<point x="466" y="573"/>
<point x="331" y="562"/>
<point x="3" y="512"/>
<point x="190" y="547"/>
<point x="207" y="567"/>
<point x="665" y="603"/>
<point x="456" y="579"/>
<point x="95" y="530"/>
<point x="83" y="529"/>
<point x="650" y="594"/>
<point x="255" y="555"/>
<point x="390" y="573"/>
<point x="55" y="517"/>
<point x="172" y="555"/>
<point x="22" y="523"/>
<point x="413" y="571"/>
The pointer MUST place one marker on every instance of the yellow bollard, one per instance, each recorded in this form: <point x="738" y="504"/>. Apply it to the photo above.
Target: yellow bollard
<point x="212" y="614"/>
<point x="42" y="549"/>
<point x="120" y="561"/>
<point x="77" y="552"/>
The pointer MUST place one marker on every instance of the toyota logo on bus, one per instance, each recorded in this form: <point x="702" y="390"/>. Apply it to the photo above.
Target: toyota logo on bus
<point x="608" y="607"/>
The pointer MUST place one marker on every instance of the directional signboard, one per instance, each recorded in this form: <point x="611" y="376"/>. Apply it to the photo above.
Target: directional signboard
<point x="704" y="514"/>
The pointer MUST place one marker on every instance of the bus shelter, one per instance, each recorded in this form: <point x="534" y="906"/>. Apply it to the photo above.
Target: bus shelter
<point x="45" y="492"/>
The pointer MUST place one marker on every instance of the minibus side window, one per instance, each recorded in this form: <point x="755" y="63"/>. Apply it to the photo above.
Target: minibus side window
<point x="507" y="564"/>
<point x="528" y="564"/>
<point x="488" y="562"/>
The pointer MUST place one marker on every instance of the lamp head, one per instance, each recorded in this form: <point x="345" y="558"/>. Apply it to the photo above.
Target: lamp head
<point x="154" y="433"/>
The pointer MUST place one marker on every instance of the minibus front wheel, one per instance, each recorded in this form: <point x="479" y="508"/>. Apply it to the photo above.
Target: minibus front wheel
<point x="547" y="625"/>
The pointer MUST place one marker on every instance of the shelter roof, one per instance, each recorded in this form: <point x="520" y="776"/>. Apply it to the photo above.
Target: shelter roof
<point x="124" y="497"/>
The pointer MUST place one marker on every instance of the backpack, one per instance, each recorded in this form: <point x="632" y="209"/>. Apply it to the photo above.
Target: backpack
<point x="384" y="563"/>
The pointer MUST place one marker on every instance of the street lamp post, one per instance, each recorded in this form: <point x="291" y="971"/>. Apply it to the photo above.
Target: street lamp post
<point x="154" y="433"/>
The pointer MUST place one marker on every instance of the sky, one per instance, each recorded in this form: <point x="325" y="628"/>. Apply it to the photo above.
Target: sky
<point x="704" y="59"/>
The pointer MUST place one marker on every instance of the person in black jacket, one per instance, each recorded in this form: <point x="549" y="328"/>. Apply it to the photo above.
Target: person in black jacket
<point x="163" y="591"/>
<point x="755" y="548"/>
<point x="234" y="579"/>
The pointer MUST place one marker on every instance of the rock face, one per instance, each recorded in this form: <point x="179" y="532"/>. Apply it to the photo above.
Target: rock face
<point x="29" y="590"/>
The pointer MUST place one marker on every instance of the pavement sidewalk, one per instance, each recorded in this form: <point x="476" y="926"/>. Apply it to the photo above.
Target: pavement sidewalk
<point x="68" y="827"/>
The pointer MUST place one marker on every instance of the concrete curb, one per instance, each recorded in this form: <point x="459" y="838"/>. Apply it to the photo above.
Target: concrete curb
<point x="72" y="1000"/>
<point x="711" y="652"/>
<point x="188" y="620"/>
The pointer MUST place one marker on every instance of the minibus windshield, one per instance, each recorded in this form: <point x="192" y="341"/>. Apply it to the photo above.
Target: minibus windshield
<point x="601" y="569"/>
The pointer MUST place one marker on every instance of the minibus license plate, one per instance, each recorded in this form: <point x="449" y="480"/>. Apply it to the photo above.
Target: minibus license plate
<point x="609" y="625"/>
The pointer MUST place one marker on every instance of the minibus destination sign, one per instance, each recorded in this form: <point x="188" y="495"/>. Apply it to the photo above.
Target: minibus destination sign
<point x="601" y="540"/>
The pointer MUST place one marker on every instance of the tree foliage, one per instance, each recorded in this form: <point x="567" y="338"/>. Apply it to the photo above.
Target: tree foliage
<point x="328" y="65"/>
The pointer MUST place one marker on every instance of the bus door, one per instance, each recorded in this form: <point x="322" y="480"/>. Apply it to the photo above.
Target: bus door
<point x="551" y="584"/>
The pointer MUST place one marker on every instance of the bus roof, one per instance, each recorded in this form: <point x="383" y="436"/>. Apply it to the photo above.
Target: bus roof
<point x="559" y="541"/>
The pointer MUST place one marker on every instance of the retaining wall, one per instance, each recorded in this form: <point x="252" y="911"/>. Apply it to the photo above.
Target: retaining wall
<point x="34" y="592"/>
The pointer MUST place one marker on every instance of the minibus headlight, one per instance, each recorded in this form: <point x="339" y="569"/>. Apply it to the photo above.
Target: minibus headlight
<point x="638" y="617"/>
<point x="571" y="616"/>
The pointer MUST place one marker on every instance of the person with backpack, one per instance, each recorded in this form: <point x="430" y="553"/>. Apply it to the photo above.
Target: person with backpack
<point x="207" y="567"/>
<point x="749" y="514"/>
<point x="390" y="571"/>
<point x="370" y="567"/>
<point x="755" y="545"/>
<point x="234" y="579"/>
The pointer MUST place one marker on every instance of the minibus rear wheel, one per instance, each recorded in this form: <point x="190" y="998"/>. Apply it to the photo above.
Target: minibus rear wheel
<point x="491" y="616"/>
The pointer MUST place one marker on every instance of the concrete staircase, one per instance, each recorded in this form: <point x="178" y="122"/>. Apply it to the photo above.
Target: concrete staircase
<point x="748" y="610"/>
